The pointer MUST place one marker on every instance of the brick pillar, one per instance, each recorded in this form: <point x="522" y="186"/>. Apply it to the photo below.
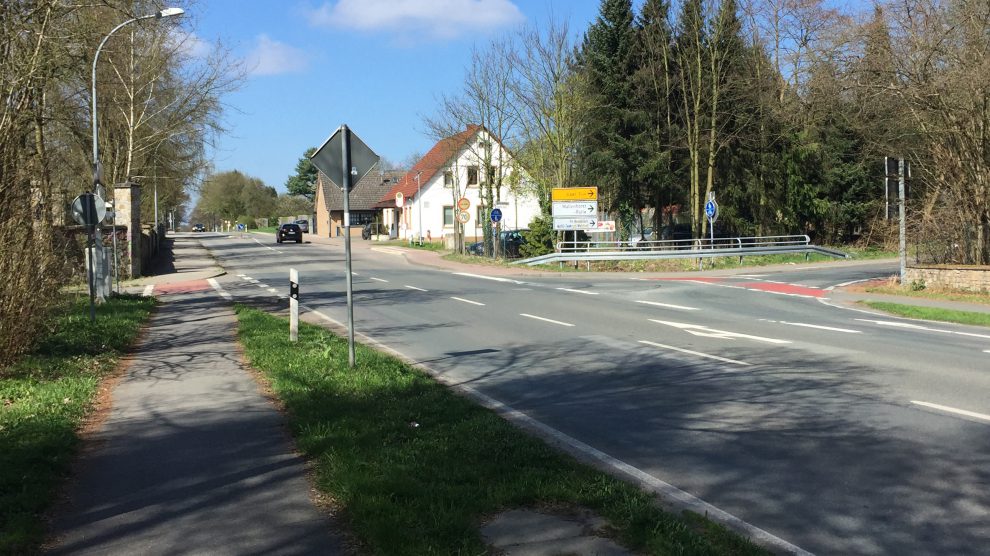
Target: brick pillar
<point x="127" y="202"/>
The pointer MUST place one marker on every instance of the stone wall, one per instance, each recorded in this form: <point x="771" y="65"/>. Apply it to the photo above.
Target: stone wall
<point x="964" y="278"/>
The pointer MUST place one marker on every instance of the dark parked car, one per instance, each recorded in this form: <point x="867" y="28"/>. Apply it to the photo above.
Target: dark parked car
<point x="511" y="240"/>
<point x="198" y="228"/>
<point x="303" y="225"/>
<point x="289" y="232"/>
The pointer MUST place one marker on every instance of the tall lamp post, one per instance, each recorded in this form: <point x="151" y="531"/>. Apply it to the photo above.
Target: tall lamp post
<point x="167" y="12"/>
<point x="419" y="206"/>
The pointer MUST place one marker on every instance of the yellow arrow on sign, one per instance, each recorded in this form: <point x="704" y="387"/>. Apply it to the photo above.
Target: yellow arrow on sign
<point x="574" y="194"/>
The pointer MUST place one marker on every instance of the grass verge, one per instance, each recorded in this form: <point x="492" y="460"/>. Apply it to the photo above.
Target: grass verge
<point x="931" y="313"/>
<point x="892" y="287"/>
<point x="44" y="398"/>
<point x="415" y="468"/>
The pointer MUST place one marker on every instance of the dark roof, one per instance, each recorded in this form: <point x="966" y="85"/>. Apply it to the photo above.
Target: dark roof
<point x="429" y="165"/>
<point x="364" y="195"/>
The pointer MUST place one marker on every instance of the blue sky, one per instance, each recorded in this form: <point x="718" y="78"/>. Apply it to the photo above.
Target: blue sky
<point x="376" y="65"/>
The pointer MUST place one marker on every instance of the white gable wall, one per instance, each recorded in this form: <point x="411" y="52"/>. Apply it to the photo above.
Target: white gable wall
<point x="517" y="211"/>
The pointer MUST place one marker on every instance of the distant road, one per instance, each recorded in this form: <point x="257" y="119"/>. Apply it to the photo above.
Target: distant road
<point x="837" y="430"/>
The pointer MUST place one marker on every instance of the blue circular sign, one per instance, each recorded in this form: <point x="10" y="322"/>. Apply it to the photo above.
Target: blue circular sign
<point x="496" y="215"/>
<point x="711" y="210"/>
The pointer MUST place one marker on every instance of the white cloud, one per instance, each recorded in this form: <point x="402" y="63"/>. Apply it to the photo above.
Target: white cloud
<point x="188" y="43"/>
<point x="271" y="57"/>
<point x="431" y="18"/>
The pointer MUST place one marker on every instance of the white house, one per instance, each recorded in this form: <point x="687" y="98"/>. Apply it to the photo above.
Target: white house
<point x="452" y="170"/>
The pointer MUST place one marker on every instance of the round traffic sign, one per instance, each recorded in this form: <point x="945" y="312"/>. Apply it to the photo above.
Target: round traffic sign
<point x="463" y="203"/>
<point x="496" y="215"/>
<point x="87" y="211"/>
<point x="399" y="199"/>
<point x="463" y="216"/>
<point x="711" y="210"/>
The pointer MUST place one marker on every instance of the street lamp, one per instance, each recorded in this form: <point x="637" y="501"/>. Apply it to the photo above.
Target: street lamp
<point x="419" y="203"/>
<point x="167" y="12"/>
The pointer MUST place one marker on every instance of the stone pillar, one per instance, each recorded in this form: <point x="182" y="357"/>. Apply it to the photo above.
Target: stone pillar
<point x="127" y="203"/>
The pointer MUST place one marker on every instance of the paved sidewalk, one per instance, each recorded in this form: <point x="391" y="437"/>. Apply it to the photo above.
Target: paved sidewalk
<point x="192" y="458"/>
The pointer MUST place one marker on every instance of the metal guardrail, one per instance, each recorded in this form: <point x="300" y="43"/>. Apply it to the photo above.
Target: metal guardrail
<point x="573" y="251"/>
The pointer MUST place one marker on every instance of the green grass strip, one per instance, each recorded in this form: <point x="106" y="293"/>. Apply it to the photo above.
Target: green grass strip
<point x="44" y="398"/>
<point x="931" y="313"/>
<point x="417" y="468"/>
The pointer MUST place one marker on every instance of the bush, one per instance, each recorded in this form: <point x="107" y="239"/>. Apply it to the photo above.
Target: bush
<point x="539" y="238"/>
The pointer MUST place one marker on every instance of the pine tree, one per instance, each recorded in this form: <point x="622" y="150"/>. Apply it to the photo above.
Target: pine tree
<point x="303" y="182"/>
<point x="608" y="153"/>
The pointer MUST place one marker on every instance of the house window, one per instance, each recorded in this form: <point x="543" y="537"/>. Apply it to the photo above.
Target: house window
<point x="492" y="172"/>
<point x="472" y="175"/>
<point x="481" y="216"/>
<point x="448" y="179"/>
<point x="448" y="217"/>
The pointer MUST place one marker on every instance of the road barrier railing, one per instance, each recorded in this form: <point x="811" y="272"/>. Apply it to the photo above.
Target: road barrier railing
<point x="575" y="251"/>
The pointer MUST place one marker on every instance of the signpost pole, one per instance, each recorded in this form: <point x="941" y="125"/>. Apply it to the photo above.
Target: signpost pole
<point x="345" y="154"/>
<point x="902" y="227"/>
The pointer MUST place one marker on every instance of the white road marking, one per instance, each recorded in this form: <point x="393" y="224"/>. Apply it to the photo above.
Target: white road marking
<point x="216" y="285"/>
<point x="820" y="327"/>
<point x="468" y="301"/>
<point x="849" y="283"/>
<point x="147" y="290"/>
<point x="986" y="351"/>
<point x="388" y="250"/>
<point x="378" y="279"/>
<point x="493" y="278"/>
<point x="527" y="315"/>
<point x="925" y="328"/>
<point x="415" y="288"/>
<point x="253" y="281"/>
<point x="698" y="353"/>
<point x="263" y="285"/>
<point x="704" y="331"/>
<point x="241" y="276"/>
<point x="577" y="291"/>
<point x="273" y="290"/>
<point x="750" y="275"/>
<point x="354" y="273"/>
<point x="668" y="305"/>
<point x="947" y="409"/>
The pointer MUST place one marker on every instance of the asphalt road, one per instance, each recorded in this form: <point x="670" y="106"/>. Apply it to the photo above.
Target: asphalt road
<point x="839" y="431"/>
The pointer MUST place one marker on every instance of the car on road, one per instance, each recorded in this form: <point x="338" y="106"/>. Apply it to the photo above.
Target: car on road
<point x="303" y="225"/>
<point x="510" y="239"/>
<point x="289" y="232"/>
<point x="198" y="228"/>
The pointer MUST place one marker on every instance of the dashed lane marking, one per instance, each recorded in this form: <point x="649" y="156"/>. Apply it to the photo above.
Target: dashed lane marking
<point x="492" y="278"/>
<point x="668" y="305"/>
<point x="577" y="291"/>
<point x="378" y="279"/>
<point x="527" y="315"/>
<point x="821" y="327"/>
<point x="415" y="288"/>
<point x="697" y="353"/>
<point x="705" y="332"/>
<point x="957" y="411"/>
<point x="468" y="301"/>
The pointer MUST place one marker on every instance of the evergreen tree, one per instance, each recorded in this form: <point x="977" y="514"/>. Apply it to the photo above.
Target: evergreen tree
<point x="303" y="182"/>
<point x="609" y="153"/>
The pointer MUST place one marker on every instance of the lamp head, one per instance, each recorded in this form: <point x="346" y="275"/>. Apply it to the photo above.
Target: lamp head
<point x="169" y="12"/>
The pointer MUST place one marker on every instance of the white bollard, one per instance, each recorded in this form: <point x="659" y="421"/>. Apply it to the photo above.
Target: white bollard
<point x="293" y="305"/>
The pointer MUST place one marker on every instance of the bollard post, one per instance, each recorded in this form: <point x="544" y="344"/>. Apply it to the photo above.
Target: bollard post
<point x="293" y="305"/>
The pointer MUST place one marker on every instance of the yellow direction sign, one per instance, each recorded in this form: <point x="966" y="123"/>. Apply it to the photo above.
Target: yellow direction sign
<point x="574" y="194"/>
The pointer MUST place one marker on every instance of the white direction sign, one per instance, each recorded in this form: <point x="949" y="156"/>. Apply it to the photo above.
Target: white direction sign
<point x="574" y="224"/>
<point x="575" y="208"/>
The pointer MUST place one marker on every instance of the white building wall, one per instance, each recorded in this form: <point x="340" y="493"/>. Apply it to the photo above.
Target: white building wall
<point x="517" y="211"/>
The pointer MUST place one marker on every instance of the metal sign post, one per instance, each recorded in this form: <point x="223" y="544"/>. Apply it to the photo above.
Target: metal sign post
<point x="354" y="161"/>
<point x="902" y="227"/>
